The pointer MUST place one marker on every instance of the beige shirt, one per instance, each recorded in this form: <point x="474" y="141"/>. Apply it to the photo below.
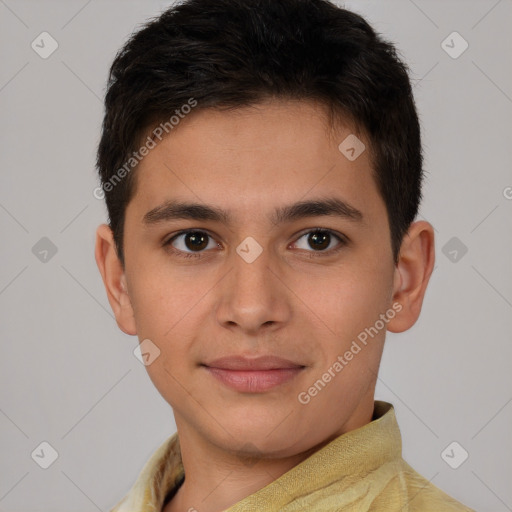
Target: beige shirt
<point x="360" y="471"/>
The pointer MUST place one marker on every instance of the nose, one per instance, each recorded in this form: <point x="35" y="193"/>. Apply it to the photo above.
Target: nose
<point x="252" y="298"/>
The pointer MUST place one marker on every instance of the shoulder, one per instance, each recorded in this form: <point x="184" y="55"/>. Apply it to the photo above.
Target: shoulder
<point x="423" y="496"/>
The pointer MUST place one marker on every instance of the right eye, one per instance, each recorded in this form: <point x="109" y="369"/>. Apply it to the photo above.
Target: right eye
<point x="190" y="243"/>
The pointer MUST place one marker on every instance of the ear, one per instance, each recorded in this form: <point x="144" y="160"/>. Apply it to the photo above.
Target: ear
<point x="114" y="279"/>
<point x="412" y="274"/>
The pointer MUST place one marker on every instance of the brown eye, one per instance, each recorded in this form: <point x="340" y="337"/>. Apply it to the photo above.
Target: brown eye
<point x="190" y="242"/>
<point x="319" y="240"/>
<point x="196" y="240"/>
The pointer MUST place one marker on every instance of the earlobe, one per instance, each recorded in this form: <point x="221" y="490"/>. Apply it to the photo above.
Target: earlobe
<point x="114" y="279"/>
<point x="412" y="274"/>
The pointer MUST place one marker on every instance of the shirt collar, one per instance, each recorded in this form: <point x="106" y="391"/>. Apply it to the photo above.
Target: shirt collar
<point x="372" y="445"/>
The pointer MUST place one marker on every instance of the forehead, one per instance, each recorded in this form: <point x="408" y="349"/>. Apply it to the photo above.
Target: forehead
<point x="270" y="153"/>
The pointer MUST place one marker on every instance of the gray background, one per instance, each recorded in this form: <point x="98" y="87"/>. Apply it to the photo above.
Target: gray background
<point x="68" y="375"/>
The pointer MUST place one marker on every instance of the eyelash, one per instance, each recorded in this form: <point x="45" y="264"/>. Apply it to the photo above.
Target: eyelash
<point x="341" y="239"/>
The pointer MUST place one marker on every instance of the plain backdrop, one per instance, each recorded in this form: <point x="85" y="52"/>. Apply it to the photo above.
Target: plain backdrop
<point x="68" y="375"/>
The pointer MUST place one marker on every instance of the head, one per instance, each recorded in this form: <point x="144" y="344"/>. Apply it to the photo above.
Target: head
<point x="284" y="138"/>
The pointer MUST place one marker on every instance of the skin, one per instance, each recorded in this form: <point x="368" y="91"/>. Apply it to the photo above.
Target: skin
<point x="293" y="301"/>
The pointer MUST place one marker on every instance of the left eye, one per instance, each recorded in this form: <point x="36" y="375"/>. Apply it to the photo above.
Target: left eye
<point x="192" y="241"/>
<point x="319" y="239"/>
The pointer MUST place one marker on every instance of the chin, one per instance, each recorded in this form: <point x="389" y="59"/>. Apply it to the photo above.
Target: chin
<point x="257" y="447"/>
<point x="267" y="438"/>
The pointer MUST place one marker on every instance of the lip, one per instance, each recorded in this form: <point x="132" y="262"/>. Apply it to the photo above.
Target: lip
<point x="255" y="363"/>
<point x="253" y="375"/>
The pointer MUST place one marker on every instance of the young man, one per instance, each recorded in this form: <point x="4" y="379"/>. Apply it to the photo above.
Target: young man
<point x="261" y="163"/>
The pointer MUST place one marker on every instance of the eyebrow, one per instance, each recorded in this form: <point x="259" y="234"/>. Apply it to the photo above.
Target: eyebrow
<point x="172" y="210"/>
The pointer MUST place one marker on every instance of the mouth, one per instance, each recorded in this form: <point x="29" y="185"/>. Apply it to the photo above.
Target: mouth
<point x="253" y="375"/>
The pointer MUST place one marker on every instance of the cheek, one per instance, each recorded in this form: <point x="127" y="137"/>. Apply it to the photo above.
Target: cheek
<point x="161" y="298"/>
<point x="168" y="311"/>
<point x="346" y="300"/>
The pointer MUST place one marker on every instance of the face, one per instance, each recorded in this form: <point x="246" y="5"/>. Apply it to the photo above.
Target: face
<point x="250" y="273"/>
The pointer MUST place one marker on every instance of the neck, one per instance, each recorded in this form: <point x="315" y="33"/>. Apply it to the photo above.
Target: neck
<point x="216" y="480"/>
